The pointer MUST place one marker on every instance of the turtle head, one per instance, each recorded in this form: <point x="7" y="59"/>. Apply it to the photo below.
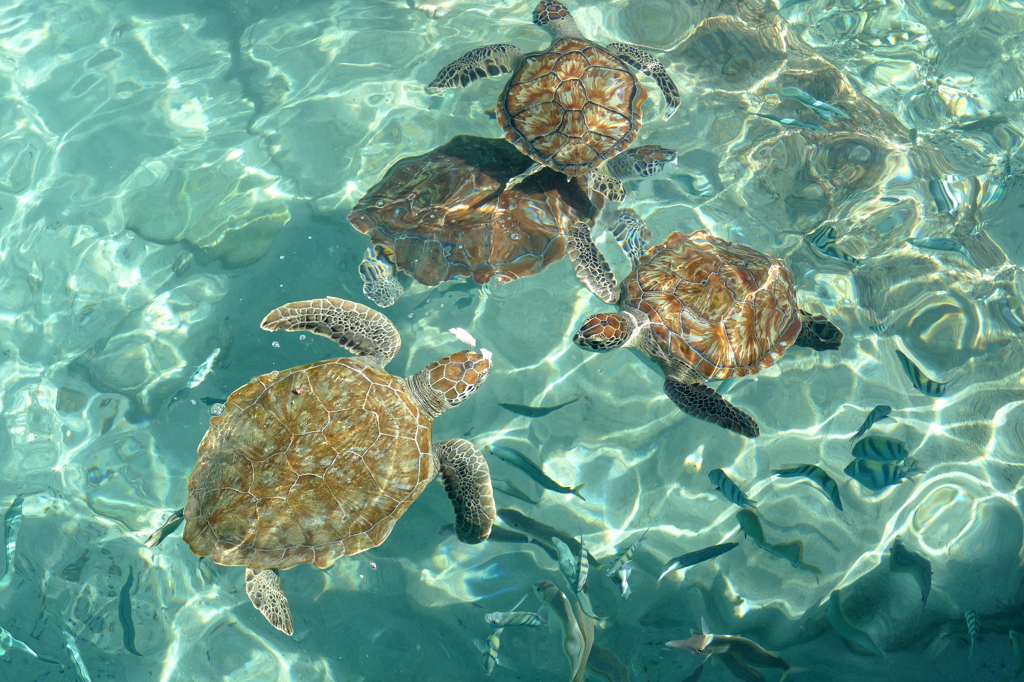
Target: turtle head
<point x="445" y="383"/>
<point x="554" y="16"/>
<point x="604" y="331"/>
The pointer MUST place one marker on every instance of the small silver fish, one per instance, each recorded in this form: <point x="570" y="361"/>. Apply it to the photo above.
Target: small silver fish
<point x="816" y="475"/>
<point x="76" y="656"/>
<point x="168" y="527"/>
<point x="826" y="111"/>
<point x="824" y="240"/>
<point x="972" y="629"/>
<point x="621" y="578"/>
<point x="941" y="244"/>
<point x="902" y="560"/>
<point x="1016" y="95"/>
<point x="881" y="449"/>
<point x="9" y="643"/>
<point x="727" y="487"/>
<point x="124" y="613"/>
<point x="491" y="655"/>
<point x="197" y="377"/>
<point x="12" y="523"/>
<point x="794" y="123"/>
<point x="1018" y="652"/>
<point x="874" y="416"/>
<point x="512" y="491"/>
<point x="694" y="558"/>
<point x="531" y="411"/>
<point x="930" y="388"/>
<point x="566" y="564"/>
<point x="524" y="464"/>
<point x="877" y="475"/>
<point x="625" y="556"/>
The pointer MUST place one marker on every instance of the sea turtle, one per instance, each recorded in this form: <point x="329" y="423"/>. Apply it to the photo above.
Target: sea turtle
<point x="699" y="307"/>
<point x="571" y="107"/>
<point x="319" y="461"/>
<point x="444" y="214"/>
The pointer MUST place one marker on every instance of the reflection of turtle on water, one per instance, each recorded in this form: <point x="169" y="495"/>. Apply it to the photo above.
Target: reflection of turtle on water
<point x="701" y="308"/>
<point x="445" y="214"/>
<point x="319" y="461"/>
<point x="571" y="107"/>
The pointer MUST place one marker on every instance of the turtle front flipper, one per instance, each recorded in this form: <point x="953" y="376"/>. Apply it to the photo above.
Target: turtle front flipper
<point x="515" y="180"/>
<point x="379" y="282"/>
<point x="265" y="593"/>
<point x="480" y="62"/>
<point x="362" y="330"/>
<point x="817" y="332"/>
<point x="644" y="62"/>
<point x="592" y="269"/>
<point x="632" y="234"/>
<point x="467" y="480"/>
<point x="706" y="403"/>
<point x="641" y="162"/>
<point x="602" y="181"/>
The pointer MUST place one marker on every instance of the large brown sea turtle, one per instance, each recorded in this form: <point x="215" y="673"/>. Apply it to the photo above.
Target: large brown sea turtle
<point x="445" y="214"/>
<point x="319" y="461"/>
<point x="699" y="307"/>
<point x="571" y="107"/>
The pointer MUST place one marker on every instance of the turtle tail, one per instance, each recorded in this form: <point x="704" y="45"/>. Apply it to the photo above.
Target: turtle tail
<point x="817" y="332"/>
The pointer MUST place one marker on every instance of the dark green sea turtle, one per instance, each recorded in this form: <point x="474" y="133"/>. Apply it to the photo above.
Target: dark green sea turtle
<point x="571" y="107"/>
<point x="701" y="308"/>
<point x="446" y="214"/>
<point x="319" y="461"/>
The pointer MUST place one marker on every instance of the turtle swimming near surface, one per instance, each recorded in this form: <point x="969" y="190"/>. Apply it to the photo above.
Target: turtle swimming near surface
<point x="444" y="214"/>
<point x="572" y="107"/>
<point x="700" y="308"/>
<point x="319" y="461"/>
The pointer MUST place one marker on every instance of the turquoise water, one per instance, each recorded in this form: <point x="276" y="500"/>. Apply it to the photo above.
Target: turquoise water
<point x="168" y="175"/>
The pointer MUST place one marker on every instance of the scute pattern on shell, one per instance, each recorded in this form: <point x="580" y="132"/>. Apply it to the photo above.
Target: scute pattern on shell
<point x="726" y="309"/>
<point x="312" y="464"/>
<point x="572" y="106"/>
<point x="443" y="215"/>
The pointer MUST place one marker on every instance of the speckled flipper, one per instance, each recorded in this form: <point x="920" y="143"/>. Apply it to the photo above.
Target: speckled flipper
<point x="362" y="330"/>
<point x="481" y="62"/>
<point x="817" y="332"/>
<point x="168" y="527"/>
<point x="641" y="162"/>
<point x="265" y="593"/>
<point x="467" y="480"/>
<point x="706" y="403"/>
<point x="592" y="269"/>
<point x="602" y="181"/>
<point x="632" y="234"/>
<point x="646" y="63"/>
<point x="379" y="282"/>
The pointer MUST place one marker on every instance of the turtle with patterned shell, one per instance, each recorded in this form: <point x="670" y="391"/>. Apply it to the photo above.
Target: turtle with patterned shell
<point x="700" y="308"/>
<point x="319" y="461"/>
<point x="571" y="107"/>
<point x="445" y="215"/>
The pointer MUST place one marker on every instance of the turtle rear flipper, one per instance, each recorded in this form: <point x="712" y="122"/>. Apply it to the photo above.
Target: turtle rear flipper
<point x="592" y="269"/>
<point x="645" y="62"/>
<point x="641" y="162"/>
<point x="379" y="282"/>
<point x="706" y="403"/>
<point x="632" y="234"/>
<point x="602" y="181"/>
<point x="265" y="593"/>
<point x="818" y="333"/>
<point x="467" y="480"/>
<point x="362" y="330"/>
<point x="487" y="61"/>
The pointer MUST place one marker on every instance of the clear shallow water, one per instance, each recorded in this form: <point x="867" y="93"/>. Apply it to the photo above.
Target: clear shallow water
<point x="169" y="176"/>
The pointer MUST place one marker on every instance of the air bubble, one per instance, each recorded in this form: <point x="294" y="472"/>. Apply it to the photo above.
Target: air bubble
<point x="497" y="284"/>
<point x="600" y="371"/>
<point x="273" y="375"/>
<point x="302" y="337"/>
<point x="410" y="316"/>
<point x="514" y="236"/>
<point x="275" y="344"/>
<point x="217" y="409"/>
<point x="380" y="203"/>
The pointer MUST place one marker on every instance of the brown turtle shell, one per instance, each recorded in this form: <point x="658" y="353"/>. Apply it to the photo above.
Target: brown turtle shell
<point x="572" y="106"/>
<point x="725" y="309"/>
<point x="443" y="214"/>
<point x="307" y="465"/>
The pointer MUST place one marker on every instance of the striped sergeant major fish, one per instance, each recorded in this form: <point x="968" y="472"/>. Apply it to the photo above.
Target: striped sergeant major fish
<point x="881" y="449"/>
<point x="526" y="465"/>
<point x="942" y="244"/>
<point x="972" y="629"/>
<point x="513" y="618"/>
<point x="794" y="123"/>
<point x="524" y="523"/>
<point x="824" y="240"/>
<point x="621" y="578"/>
<point x="902" y="560"/>
<point x="816" y="475"/>
<point x="625" y="556"/>
<point x="573" y="636"/>
<point x="930" y="388"/>
<point x="793" y="552"/>
<point x="1016" y="95"/>
<point x="878" y="475"/>
<point x="843" y="627"/>
<point x="874" y="416"/>
<point x="493" y="646"/>
<point x="575" y="572"/>
<point x="566" y="564"/>
<point x="727" y="487"/>
<point x="12" y="523"/>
